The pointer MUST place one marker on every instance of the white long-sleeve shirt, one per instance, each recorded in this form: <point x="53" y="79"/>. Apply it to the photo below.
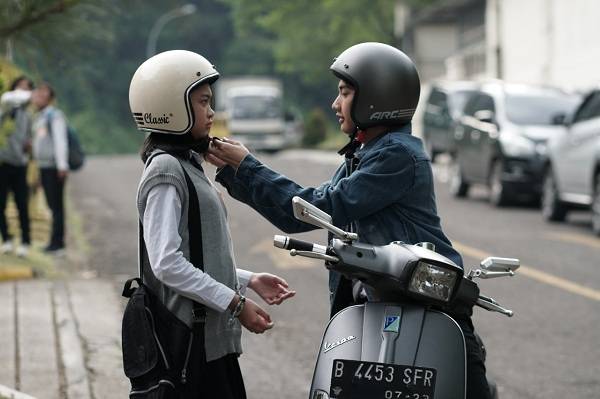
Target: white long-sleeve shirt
<point x="51" y="148"/>
<point x="15" y="98"/>
<point x="13" y="150"/>
<point x="161" y="221"/>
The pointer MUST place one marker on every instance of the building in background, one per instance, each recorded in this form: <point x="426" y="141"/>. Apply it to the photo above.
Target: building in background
<point x="551" y="42"/>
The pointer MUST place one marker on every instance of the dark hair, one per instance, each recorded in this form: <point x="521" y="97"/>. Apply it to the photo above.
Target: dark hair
<point x="178" y="145"/>
<point x="46" y="85"/>
<point x="20" y="79"/>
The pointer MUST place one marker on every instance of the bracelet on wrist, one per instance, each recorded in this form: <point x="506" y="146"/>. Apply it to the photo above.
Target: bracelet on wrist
<point x="239" y="307"/>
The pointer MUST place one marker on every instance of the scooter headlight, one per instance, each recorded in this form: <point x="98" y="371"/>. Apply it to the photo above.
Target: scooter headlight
<point x="433" y="281"/>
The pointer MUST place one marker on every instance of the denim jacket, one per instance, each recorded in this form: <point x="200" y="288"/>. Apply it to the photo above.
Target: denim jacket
<point x="389" y="197"/>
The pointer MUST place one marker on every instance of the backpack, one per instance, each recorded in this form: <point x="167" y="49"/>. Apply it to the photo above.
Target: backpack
<point x="76" y="156"/>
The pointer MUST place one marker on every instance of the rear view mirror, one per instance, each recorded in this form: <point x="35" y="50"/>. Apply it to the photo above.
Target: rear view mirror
<point x="494" y="264"/>
<point x="485" y="115"/>
<point x="308" y="213"/>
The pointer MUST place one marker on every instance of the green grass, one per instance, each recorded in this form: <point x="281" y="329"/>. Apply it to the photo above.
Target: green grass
<point x="41" y="263"/>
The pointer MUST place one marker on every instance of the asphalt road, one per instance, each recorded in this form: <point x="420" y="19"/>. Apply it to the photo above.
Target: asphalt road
<point x="549" y="349"/>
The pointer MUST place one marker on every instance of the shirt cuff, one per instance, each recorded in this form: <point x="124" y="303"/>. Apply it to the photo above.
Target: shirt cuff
<point x="224" y="298"/>
<point x="244" y="171"/>
<point x="244" y="277"/>
<point x="225" y="174"/>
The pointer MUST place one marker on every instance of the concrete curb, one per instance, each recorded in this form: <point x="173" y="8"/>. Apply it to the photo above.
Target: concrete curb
<point x="6" y="392"/>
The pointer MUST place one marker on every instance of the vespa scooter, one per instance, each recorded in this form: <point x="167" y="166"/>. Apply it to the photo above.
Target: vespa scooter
<point x="401" y="343"/>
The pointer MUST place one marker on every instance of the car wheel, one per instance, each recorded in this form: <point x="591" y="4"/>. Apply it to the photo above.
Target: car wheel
<point x="553" y="209"/>
<point x="459" y="187"/>
<point x="498" y="193"/>
<point x="596" y="206"/>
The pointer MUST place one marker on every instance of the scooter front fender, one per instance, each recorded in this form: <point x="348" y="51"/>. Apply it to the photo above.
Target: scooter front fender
<point x="393" y="333"/>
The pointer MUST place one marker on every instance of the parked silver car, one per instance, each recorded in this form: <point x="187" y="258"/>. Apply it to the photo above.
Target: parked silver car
<point x="443" y="109"/>
<point x="500" y="141"/>
<point x="572" y="174"/>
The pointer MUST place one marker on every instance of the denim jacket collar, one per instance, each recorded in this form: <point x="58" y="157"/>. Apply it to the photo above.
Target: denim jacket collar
<point x="365" y="148"/>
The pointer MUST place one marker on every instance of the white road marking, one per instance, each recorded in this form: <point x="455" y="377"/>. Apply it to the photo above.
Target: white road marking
<point x="536" y="274"/>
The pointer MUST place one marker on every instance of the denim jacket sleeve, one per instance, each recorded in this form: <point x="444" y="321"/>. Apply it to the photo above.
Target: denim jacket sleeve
<point x="383" y="176"/>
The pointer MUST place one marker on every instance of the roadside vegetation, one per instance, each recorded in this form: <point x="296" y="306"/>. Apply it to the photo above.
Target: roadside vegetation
<point x="89" y="49"/>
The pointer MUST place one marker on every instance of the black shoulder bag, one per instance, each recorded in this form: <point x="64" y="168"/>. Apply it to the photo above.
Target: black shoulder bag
<point x="156" y="344"/>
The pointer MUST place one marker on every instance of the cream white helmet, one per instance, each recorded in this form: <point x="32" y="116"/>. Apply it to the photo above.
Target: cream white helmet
<point x="159" y="93"/>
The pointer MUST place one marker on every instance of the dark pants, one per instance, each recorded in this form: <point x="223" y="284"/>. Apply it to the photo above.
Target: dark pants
<point x="477" y="384"/>
<point x="54" y="192"/>
<point x="14" y="178"/>
<point x="221" y="378"/>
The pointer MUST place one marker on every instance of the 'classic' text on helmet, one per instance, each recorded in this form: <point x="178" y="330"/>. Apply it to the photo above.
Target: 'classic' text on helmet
<point x="159" y="93"/>
<point x="386" y="82"/>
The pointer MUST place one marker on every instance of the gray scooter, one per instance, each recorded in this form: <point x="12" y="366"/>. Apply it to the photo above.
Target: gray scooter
<point x="401" y="344"/>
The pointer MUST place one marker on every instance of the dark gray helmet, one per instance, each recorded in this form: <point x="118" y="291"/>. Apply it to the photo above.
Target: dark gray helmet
<point x="386" y="82"/>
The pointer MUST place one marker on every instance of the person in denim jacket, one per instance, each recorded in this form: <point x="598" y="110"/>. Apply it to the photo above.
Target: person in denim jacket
<point x="384" y="190"/>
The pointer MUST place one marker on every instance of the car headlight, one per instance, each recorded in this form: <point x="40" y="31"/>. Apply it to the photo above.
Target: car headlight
<point x="433" y="281"/>
<point x="517" y="146"/>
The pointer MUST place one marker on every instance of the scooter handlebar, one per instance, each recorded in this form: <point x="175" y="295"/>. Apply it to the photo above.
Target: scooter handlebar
<point x="285" y="242"/>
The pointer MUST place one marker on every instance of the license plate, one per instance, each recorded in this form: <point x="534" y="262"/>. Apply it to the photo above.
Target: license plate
<point x="351" y="379"/>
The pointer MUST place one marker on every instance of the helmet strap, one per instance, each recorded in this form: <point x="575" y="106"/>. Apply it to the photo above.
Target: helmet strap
<point x="349" y="149"/>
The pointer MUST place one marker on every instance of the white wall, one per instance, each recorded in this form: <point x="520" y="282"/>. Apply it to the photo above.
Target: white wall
<point x="577" y="43"/>
<point x="433" y="44"/>
<point x="553" y="42"/>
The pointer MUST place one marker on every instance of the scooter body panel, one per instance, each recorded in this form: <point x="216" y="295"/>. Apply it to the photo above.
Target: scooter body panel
<point x="399" y="334"/>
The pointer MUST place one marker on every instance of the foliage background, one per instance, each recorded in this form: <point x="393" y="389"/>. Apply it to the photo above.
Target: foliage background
<point x="89" y="49"/>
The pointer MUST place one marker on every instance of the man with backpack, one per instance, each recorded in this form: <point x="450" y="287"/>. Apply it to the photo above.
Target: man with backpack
<point x="51" y="152"/>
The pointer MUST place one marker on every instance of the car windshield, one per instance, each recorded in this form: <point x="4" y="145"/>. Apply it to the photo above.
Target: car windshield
<point x="538" y="109"/>
<point x="458" y="99"/>
<point x="255" y="107"/>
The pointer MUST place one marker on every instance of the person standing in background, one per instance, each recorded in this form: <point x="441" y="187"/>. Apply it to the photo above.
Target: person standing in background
<point x="14" y="155"/>
<point x="50" y="150"/>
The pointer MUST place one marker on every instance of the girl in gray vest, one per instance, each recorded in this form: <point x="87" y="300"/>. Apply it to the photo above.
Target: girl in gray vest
<point x="170" y="97"/>
<point x="13" y="161"/>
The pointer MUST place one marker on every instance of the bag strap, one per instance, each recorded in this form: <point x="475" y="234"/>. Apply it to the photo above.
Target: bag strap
<point x="49" y="118"/>
<point x="195" y="234"/>
<point x="127" y="290"/>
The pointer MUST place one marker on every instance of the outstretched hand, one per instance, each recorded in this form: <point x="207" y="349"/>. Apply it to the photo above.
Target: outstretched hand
<point x="254" y="318"/>
<point x="272" y="289"/>
<point x="225" y="151"/>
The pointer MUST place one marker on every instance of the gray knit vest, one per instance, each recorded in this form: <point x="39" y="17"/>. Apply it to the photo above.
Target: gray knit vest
<point x="222" y="335"/>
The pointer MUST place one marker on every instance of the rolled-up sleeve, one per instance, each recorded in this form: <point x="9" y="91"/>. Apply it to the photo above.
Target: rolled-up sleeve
<point x="244" y="277"/>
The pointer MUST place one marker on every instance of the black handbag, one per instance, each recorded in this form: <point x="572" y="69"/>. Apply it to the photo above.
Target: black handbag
<point x="156" y="344"/>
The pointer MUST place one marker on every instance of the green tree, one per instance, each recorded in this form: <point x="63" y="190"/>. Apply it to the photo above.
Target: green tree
<point x="309" y="33"/>
<point x="18" y="16"/>
<point x="305" y="35"/>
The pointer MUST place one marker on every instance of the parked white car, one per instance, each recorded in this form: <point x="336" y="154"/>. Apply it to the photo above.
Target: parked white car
<point x="572" y="177"/>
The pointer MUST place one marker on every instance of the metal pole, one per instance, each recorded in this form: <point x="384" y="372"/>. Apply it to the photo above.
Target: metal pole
<point x="162" y="21"/>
